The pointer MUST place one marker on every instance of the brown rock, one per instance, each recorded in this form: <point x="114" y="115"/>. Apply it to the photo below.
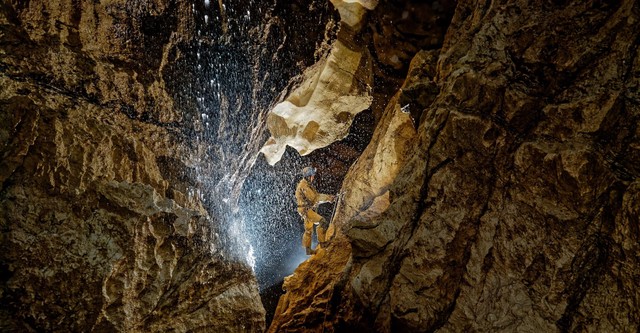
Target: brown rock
<point x="512" y="206"/>
<point x="99" y="233"/>
<point x="90" y="242"/>
<point x="321" y="109"/>
<point x="121" y="171"/>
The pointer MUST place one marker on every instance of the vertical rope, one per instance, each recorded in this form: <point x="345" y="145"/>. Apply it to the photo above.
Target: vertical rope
<point x="333" y="213"/>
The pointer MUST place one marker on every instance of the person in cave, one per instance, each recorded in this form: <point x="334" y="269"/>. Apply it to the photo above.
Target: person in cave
<point x="308" y="200"/>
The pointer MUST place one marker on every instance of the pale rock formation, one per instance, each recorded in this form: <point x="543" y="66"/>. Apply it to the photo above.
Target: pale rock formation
<point x="366" y="186"/>
<point x="321" y="109"/>
<point x="352" y="11"/>
<point x="366" y="195"/>
<point x="516" y="206"/>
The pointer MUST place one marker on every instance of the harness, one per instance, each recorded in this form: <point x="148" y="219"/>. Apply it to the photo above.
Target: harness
<point x="308" y="204"/>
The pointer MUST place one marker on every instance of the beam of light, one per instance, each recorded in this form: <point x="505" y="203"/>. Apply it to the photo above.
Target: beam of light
<point x="252" y="207"/>
<point x="215" y="122"/>
<point x="295" y="259"/>
<point x="251" y="258"/>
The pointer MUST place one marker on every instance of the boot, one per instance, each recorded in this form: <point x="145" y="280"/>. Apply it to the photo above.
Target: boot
<point x="310" y="251"/>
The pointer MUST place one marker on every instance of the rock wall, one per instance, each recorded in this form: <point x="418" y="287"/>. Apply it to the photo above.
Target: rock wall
<point x="115" y="147"/>
<point x="500" y="189"/>
<point x="102" y="227"/>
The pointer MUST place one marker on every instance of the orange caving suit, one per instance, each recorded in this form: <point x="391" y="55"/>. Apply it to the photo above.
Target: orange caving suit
<point x="308" y="200"/>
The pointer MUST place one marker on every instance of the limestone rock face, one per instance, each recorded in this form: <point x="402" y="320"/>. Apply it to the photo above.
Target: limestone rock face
<point x="505" y="197"/>
<point x="332" y="92"/>
<point x="90" y="241"/>
<point x="353" y="11"/>
<point x="320" y="111"/>
<point x="102" y="225"/>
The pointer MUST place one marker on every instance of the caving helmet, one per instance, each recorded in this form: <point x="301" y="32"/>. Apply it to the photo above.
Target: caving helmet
<point x="308" y="171"/>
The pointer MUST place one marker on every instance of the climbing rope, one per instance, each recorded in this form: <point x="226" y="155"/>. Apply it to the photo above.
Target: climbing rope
<point x="333" y="213"/>
<point x="332" y="287"/>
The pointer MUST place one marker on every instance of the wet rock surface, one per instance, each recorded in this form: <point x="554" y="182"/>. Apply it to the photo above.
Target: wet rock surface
<point x="100" y="232"/>
<point x="107" y="222"/>
<point x="499" y="191"/>
<point x="508" y="201"/>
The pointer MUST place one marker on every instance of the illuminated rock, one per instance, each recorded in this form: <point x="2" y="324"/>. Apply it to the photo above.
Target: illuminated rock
<point x="321" y="110"/>
<point x="352" y="11"/>
<point x="126" y="133"/>
<point x="103" y="226"/>
<point x="90" y="238"/>
<point x="366" y="196"/>
<point x="333" y="91"/>
<point x="513" y="208"/>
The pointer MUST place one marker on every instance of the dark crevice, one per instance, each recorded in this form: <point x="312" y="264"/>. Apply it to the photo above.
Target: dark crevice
<point x="593" y="258"/>
<point x="443" y="316"/>
<point x="588" y="267"/>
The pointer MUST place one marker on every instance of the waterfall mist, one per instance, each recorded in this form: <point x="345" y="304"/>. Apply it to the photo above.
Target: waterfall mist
<point x="225" y="81"/>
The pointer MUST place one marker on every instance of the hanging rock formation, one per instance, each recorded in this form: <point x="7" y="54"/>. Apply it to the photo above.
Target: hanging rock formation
<point x="501" y="188"/>
<point x="333" y="91"/>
